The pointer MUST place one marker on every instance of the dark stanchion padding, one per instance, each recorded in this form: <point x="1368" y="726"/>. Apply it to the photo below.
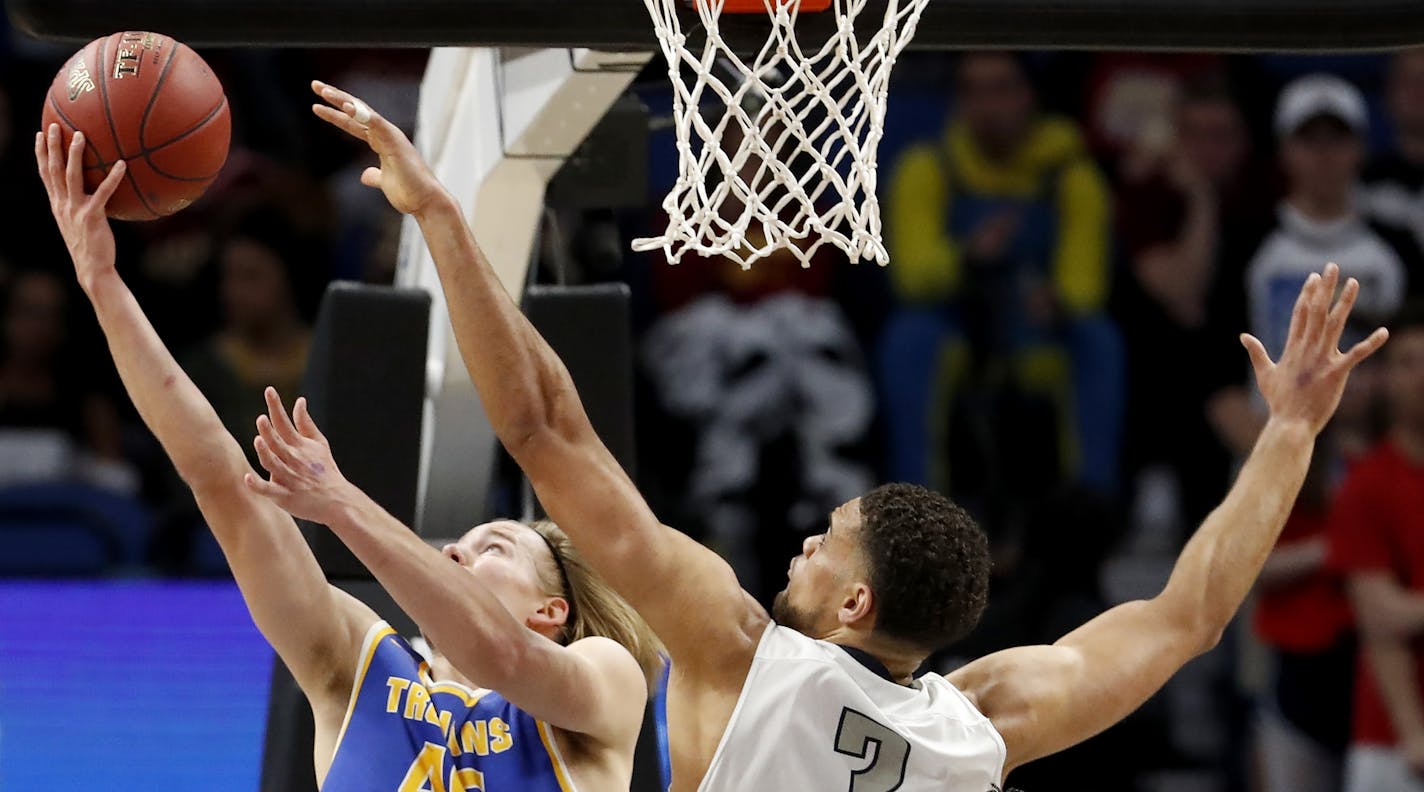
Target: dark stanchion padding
<point x="1320" y="25"/>
<point x="365" y="385"/>
<point x="590" y="327"/>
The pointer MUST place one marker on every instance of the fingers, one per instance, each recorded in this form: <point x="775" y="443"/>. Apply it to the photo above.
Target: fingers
<point x="340" y="103"/>
<point x="1320" y="301"/>
<point x="261" y="485"/>
<point x="54" y="165"/>
<point x="1301" y="321"/>
<point x="74" y="165"/>
<point x="274" y="465"/>
<point x="355" y="109"/>
<point x="341" y="121"/>
<point x="1364" y="349"/>
<point x="1260" y="360"/>
<point x="278" y="412"/>
<point x="1335" y="323"/>
<point x="359" y="111"/>
<point x="265" y="488"/>
<point x="275" y="442"/>
<point x="330" y="93"/>
<point x="371" y="177"/>
<point x="110" y="183"/>
<point x="304" y="421"/>
<point x="42" y="161"/>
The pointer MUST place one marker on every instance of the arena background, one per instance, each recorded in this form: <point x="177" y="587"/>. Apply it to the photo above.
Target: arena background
<point x="126" y="656"/>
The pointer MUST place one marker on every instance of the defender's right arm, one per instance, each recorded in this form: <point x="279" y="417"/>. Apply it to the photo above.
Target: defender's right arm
<point x="532" y="406"/>
<point x="314" y="627"/>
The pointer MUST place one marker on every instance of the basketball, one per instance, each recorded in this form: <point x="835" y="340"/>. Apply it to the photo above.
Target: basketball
<point x="151" y="101"/>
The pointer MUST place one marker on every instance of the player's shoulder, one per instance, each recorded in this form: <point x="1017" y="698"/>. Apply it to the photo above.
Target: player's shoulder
<point x="603" y="652"/>
<point x="611" y="660"/>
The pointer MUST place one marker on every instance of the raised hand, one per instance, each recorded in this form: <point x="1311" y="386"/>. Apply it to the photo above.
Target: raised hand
<point x="81" y="216"/>
<point x="403" y="176"/>
<point x="1306" y="383"/>
<point x="304" y="478"/>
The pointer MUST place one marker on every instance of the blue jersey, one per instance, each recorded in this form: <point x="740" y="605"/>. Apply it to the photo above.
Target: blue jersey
<point x="406" y="733"/>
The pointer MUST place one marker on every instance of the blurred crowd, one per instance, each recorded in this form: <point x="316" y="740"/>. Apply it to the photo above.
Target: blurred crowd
<point x="1077" y="240"/>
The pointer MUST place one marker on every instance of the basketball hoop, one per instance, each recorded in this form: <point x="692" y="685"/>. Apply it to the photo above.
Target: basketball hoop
<point x="790" y="164"/>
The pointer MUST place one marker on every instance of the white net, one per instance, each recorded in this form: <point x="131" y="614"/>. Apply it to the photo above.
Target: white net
<point x="785" y="157"/>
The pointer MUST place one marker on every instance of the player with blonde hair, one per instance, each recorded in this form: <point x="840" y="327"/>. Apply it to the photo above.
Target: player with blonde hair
<point x="554" y="668"/>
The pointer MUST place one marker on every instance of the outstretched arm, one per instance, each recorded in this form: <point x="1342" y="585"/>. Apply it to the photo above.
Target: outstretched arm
<point x="315" y="628"/>
<point x="533" y="408"/>
<point x="1045" y="698"/>
<point x="592" y="686"/>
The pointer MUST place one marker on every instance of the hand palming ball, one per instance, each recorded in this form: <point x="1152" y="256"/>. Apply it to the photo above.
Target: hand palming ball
<point x="151" y="101"/>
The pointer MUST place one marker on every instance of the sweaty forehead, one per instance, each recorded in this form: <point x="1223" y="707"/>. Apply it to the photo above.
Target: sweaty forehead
<point x="846" y="517"/>
<point x="508" y="529"/>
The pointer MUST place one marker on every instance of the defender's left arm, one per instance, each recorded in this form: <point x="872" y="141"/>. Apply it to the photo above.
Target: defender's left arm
<point x="592" y="686"/>
<point x="1043" y="699"/>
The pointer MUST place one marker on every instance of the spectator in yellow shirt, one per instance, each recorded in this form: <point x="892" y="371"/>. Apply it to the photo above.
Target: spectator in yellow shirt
<point x="1000" y="237"/>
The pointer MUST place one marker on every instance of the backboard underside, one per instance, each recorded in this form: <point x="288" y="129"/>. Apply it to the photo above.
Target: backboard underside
<point x="1221" y="25"/>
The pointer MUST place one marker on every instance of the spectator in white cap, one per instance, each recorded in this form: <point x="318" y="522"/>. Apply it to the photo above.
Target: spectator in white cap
<point x="1321" y="122"/>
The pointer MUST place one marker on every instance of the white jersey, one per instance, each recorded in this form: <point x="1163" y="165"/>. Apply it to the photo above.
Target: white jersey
<point x="811" y="717"/>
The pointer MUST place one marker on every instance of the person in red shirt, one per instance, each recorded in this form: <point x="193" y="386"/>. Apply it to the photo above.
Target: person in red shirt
<point x="1376" y="530"/>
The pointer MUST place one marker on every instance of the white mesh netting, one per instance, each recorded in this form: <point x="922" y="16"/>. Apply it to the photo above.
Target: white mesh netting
<point x="784" y="156"/>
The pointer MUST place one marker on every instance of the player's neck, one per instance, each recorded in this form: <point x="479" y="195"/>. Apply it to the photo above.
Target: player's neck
<point x="443" y="671"/>
<point x="900" y="662"/>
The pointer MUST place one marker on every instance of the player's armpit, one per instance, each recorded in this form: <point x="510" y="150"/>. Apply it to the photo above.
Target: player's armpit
<point x="1043" y="699"/>
<point x="686" y="592"/>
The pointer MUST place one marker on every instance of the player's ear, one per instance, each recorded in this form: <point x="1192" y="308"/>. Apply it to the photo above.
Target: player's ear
<point x="858" y="606"/>
<point x="551" y="616"/>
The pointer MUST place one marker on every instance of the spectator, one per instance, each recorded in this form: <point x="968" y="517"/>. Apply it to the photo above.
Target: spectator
<point x="1321" y="121"/>
<point x="1191" y="198"/>
<point x="999" y="235"/>
<point x="52" y="414"/>
<point x="263" y="339"/>
<point x="1394" y="183"/>
<point x="1126" y="93"/>
<point x="1321" y="124"/>
<point x="1376" y="532"/>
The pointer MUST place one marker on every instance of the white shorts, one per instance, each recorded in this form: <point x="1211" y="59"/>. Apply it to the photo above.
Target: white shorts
<point x="1373" y="768"/>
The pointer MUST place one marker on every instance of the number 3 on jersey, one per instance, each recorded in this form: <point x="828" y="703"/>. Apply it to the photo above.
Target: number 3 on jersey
<point x="424" y="774"/>
<point x="886" y="772"/>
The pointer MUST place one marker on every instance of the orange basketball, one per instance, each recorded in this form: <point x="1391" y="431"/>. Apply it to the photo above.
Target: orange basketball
<point x="152" y="102"/>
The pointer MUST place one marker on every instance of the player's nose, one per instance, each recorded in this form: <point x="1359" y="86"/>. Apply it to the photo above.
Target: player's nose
<point x="812" y="544"/>
<point x="452" y="552"/>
